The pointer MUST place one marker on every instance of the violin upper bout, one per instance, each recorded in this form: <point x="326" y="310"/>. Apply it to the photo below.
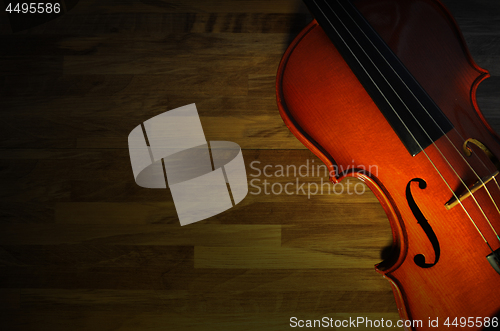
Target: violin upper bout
<point x="432" y="47"/>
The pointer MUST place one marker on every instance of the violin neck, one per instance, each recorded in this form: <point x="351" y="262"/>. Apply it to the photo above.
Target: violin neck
<point x="411" y="112"/>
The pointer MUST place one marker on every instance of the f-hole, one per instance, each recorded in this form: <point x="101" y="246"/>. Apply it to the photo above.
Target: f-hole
<point x="419" y="259"/>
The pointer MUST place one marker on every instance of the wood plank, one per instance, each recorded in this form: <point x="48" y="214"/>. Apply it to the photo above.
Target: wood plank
<point x="182" y="276"/>
<point x="114" y="233"/>
<point x="247" y="6"/>
<point x="276" y="258"/>
<point x="215" y="302"/>
<point x="364" y="239"/>
<point x="31" y="319"/>
<point x="156" y="22"/>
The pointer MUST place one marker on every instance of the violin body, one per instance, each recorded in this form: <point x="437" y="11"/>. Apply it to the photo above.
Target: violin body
<point x="438" y="269"/>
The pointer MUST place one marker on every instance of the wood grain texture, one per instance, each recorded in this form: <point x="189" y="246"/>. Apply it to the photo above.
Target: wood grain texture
<point x="82" y="247"/>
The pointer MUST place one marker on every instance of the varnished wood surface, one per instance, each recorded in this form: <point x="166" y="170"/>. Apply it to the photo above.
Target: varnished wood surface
<point x="84" y="248"/>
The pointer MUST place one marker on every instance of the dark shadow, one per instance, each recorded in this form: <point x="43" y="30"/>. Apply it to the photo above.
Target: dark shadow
<point x="497" y="319"/>
<point x="298" y="21"/>
<point x="386" y="253"/>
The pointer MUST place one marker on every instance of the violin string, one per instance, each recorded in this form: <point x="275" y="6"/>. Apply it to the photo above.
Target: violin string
<point x="425" y="109"/>
<point x="498" y="186"/>
<point x="451" y="167"/>
<point x="383" y="95"/>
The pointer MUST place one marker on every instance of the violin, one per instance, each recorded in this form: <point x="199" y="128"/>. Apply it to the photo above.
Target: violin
<point x="391" y="84"/>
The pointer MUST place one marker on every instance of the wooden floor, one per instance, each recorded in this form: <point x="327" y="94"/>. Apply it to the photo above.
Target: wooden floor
<point x="82" y="247"/>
